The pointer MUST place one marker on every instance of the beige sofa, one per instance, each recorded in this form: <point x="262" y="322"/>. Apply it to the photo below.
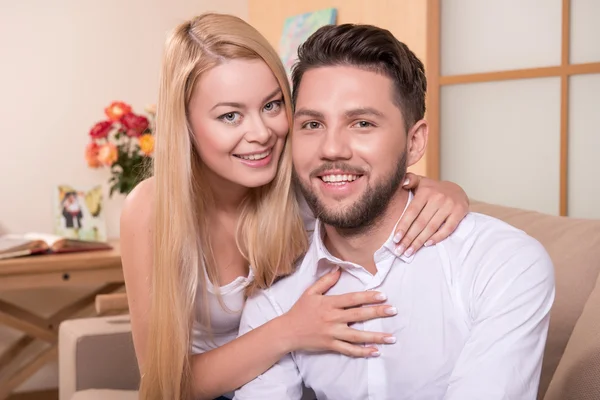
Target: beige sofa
<point x="96" y="359"/>
<point x="97" y="353"/>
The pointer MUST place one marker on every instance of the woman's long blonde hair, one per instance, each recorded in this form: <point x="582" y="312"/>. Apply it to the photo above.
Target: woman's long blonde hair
<point x="270" y="231"/>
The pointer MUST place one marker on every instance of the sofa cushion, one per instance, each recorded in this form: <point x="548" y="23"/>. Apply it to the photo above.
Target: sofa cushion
<point x="577" y="375"/>
<point x="96" y="353"/>
<point x="574" y="246"/>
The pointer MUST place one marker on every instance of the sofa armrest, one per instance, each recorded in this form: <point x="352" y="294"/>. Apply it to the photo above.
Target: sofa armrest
<point x="96" y="353"/>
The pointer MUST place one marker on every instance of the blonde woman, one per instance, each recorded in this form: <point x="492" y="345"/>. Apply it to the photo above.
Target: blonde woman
<point x="219" y="219"/>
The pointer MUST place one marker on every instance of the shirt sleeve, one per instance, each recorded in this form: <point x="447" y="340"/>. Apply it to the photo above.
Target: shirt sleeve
<point x="510" y="311"/>
<point x="282" y="380"/>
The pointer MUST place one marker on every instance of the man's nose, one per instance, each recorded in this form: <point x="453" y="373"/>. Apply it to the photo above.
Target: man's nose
<point x="336" y="145"/>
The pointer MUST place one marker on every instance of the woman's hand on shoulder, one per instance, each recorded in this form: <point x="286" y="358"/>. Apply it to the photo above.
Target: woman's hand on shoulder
<point x="434" y="213"/>
<point x="319" y="322"/>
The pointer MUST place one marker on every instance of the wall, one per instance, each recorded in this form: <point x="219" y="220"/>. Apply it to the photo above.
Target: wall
<point x="406" y="19"/>
<point x="62" y="62"/>
<point x="519" y="103"/>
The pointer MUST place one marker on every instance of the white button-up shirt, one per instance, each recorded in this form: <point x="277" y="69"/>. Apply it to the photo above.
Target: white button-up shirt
<point x="472" y="320"/>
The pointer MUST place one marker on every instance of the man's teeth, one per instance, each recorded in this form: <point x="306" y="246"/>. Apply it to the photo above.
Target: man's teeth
<point x="255" y="156"/>
<point x="339" y="178"/>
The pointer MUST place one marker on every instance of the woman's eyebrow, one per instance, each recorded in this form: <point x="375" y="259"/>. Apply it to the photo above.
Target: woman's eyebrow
<point x="273" y="93"/>
<point x="240" y="105"/>
<point x="228" y="104"/>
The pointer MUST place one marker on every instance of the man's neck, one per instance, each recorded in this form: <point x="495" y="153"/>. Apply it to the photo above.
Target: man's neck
<point x="359" y="247"/>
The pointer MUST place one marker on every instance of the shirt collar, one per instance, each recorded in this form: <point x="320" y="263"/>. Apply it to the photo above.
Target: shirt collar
<point x="321" y="257"/>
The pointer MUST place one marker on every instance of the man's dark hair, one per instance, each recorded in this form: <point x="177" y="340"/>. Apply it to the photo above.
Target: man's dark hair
<point x="371" y="48"/>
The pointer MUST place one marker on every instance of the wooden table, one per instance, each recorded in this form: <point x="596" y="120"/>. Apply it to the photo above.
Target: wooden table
<point x="102" y="267"/>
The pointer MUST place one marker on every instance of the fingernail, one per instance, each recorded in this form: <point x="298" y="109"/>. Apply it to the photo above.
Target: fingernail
<point x="400" y="250"/>
<point x="409" y="252"/>
<point x="406" y="182"/>
<point x="428" y="243"/>
<point x="391" y="311"/>
<point x="375" y="354"/>
<point x="398" y="237"/>
<point x="390" y="339"/>
<point x="380" y="296"/>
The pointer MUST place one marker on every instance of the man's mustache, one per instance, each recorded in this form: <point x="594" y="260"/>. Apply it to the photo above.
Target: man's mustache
<point x="341" y="166"/>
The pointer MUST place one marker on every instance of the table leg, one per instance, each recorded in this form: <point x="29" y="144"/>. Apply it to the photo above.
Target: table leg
<point x="37" y="328"/>
<point x="15" y="349"/>
<point x="25" y="372"/>
<point x="25" y="321"/>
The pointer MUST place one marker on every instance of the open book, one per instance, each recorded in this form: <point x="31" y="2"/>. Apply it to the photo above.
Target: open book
<point x="14" y="245"/>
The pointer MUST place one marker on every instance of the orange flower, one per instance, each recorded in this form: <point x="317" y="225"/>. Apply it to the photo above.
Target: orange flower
<point x="108" y="154"/>
<point x="147" y="144"/>
<point x="116" y="110"/>
<point x="91" y="155"/>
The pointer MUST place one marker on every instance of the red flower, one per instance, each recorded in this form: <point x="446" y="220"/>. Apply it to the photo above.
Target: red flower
<point x="101" y="130"/>
<point x="134" y="124"/>
<point x="116" y="110"/>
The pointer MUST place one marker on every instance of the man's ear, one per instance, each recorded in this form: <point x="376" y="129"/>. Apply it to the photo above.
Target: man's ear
<point x="416" y="142"/>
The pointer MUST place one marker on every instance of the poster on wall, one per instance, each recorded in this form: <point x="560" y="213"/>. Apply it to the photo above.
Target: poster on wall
<point x="79" y="214"/>
<point x="297" y="29"/>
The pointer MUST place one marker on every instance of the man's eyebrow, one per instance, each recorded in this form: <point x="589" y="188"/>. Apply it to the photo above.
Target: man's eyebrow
<point x="305" y="112"/>
<point x="362" y="111"/>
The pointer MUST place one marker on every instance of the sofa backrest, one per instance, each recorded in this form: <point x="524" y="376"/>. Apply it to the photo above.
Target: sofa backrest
<point x="578" y="374"/>
<point x="574" y="246"/>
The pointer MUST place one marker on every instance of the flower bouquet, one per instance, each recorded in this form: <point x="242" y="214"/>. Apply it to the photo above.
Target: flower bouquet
<point x="124" y="143"/>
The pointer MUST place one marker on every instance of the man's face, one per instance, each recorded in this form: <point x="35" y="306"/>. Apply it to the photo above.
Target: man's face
<point x="349" y="144"/>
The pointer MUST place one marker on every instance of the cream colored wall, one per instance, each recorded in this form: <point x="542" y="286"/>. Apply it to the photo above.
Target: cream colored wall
<point x="502" y="140"/>
<point x="406" y="19"/>
<point x="63" y="61"/>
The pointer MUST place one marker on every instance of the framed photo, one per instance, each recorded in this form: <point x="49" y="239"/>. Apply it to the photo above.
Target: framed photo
<point x="79" y="213"/>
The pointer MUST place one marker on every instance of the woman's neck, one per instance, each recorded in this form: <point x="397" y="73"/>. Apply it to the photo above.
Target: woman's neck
<point x="223" y="217"/>
<point x="227" y="195"/>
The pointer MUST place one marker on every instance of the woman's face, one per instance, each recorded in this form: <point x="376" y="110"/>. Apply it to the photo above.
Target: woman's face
<point x="239" y="122"/>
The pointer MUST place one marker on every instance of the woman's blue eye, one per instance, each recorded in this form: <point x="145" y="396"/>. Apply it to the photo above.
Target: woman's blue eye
<point x="230" y="118"/>
<point x="272" y="105"/>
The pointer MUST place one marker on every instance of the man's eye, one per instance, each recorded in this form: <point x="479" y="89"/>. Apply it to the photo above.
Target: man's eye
<point x="311" y="125"/>
<point x="363" y="124"/>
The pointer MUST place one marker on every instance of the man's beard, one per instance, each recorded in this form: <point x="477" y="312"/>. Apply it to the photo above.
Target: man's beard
<point x="363" y="213"/>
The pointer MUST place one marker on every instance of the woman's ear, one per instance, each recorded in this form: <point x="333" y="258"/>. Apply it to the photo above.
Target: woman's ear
<point x="416" y="142"/>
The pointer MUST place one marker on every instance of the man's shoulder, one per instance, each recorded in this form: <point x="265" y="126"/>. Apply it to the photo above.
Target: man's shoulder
<point x="487" y="242"/>
<point x="484" y="230"/>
